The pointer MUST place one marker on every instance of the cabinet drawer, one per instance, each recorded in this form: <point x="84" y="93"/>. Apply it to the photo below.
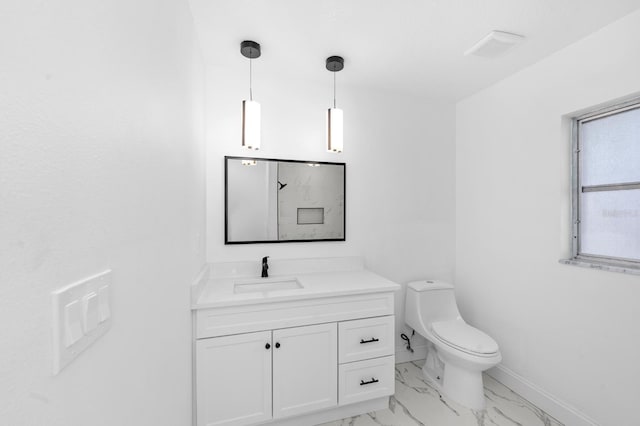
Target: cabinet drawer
<point x="365" y="338"/>
<point x="363" y="380"/>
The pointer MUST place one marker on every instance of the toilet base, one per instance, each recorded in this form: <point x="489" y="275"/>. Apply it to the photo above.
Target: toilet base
<point x="433" y="368"/>
<point x="461" y="385"/>
<point x="464" y="386"/>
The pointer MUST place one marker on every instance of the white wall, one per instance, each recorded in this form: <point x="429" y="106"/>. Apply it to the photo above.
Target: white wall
<point x="571" y="331"/>
<point x="101" y="166"/>
<point x="399" y="152"/>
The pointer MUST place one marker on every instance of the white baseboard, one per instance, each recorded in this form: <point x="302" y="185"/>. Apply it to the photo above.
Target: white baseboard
<point x="551" y="405"/>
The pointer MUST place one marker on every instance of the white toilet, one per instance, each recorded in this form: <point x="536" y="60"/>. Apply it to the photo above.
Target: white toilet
<point x="457" y="353"/>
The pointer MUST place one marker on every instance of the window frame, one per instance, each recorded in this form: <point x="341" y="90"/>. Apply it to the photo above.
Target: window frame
<point x="596" y="261"/>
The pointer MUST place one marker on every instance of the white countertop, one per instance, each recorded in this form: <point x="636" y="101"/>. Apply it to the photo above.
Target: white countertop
<point x="219" y="292"/>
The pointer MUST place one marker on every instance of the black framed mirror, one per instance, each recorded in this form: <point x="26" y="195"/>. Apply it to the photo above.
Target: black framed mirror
<point x="275" y="201"/>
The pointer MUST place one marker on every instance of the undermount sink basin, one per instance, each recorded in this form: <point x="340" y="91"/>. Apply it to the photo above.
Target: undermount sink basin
<point x="259" y="285"/>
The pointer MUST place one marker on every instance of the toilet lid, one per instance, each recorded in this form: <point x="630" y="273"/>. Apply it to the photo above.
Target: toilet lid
<point x="465" y="337"/>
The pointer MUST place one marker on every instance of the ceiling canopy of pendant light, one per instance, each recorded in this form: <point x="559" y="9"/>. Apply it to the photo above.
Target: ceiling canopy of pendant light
<point x="335" y="63"/>
<point x="335" y="142"/>
<point x="250" y="109"/>
<point x="250" y="49"/>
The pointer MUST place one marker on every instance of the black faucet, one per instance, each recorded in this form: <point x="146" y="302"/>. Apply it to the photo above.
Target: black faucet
<point x="265" y="267"/>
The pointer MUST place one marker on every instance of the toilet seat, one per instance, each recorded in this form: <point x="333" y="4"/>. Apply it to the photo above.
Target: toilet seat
<point x="463" y="337"/>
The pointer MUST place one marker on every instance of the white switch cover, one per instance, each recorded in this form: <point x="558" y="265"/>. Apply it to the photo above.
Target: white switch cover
<point x="72" y="323"/>
<point x="81" y="315"/>
<point x="90" y="312"/>
<point x="103" y="303"/>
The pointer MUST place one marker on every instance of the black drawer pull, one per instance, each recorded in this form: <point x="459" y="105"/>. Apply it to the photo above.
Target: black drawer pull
<point x="373" y="339"/>
<point x="373" y="380"/>
<point x="277" y="345"/>
<point x="267" y="346"/>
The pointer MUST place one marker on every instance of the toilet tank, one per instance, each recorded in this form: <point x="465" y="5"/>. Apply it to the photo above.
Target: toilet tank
<point x="428" y="302"/>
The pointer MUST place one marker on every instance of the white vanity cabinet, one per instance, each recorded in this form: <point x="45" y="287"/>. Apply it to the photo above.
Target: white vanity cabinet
<point x="239" y="375"/>
<point x="294" y="358"/>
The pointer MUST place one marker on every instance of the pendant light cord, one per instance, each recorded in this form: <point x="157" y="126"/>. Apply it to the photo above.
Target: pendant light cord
<point x="250" y="75"/>
<point x="334" y="87"/>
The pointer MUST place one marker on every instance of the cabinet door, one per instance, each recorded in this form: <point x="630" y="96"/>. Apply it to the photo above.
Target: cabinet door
<point x="233" y="379"/>
<point x="305" y="369"/>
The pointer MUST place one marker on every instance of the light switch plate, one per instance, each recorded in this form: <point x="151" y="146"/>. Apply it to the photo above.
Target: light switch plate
<point x="81" y="315"/>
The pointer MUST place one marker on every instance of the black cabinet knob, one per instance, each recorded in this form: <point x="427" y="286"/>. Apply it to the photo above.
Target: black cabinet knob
<point x="267" y="346"/>
<point x="277" y="345"/>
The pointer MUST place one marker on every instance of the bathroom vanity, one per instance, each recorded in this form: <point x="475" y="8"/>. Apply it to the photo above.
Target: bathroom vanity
<point x="312" y="343"/>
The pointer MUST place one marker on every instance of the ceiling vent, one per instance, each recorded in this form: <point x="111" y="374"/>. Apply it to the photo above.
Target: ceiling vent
<point x="494" y="44"/>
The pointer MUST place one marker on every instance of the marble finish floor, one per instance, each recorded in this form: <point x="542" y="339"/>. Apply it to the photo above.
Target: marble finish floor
<point x="418" y="403"/>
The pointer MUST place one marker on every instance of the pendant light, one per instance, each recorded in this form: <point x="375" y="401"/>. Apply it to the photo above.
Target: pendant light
<point x="334" y="115"/>
<point x="250" y="108"/>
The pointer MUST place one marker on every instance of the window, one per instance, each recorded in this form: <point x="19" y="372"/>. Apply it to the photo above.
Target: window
<point x="606" y="182"/>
